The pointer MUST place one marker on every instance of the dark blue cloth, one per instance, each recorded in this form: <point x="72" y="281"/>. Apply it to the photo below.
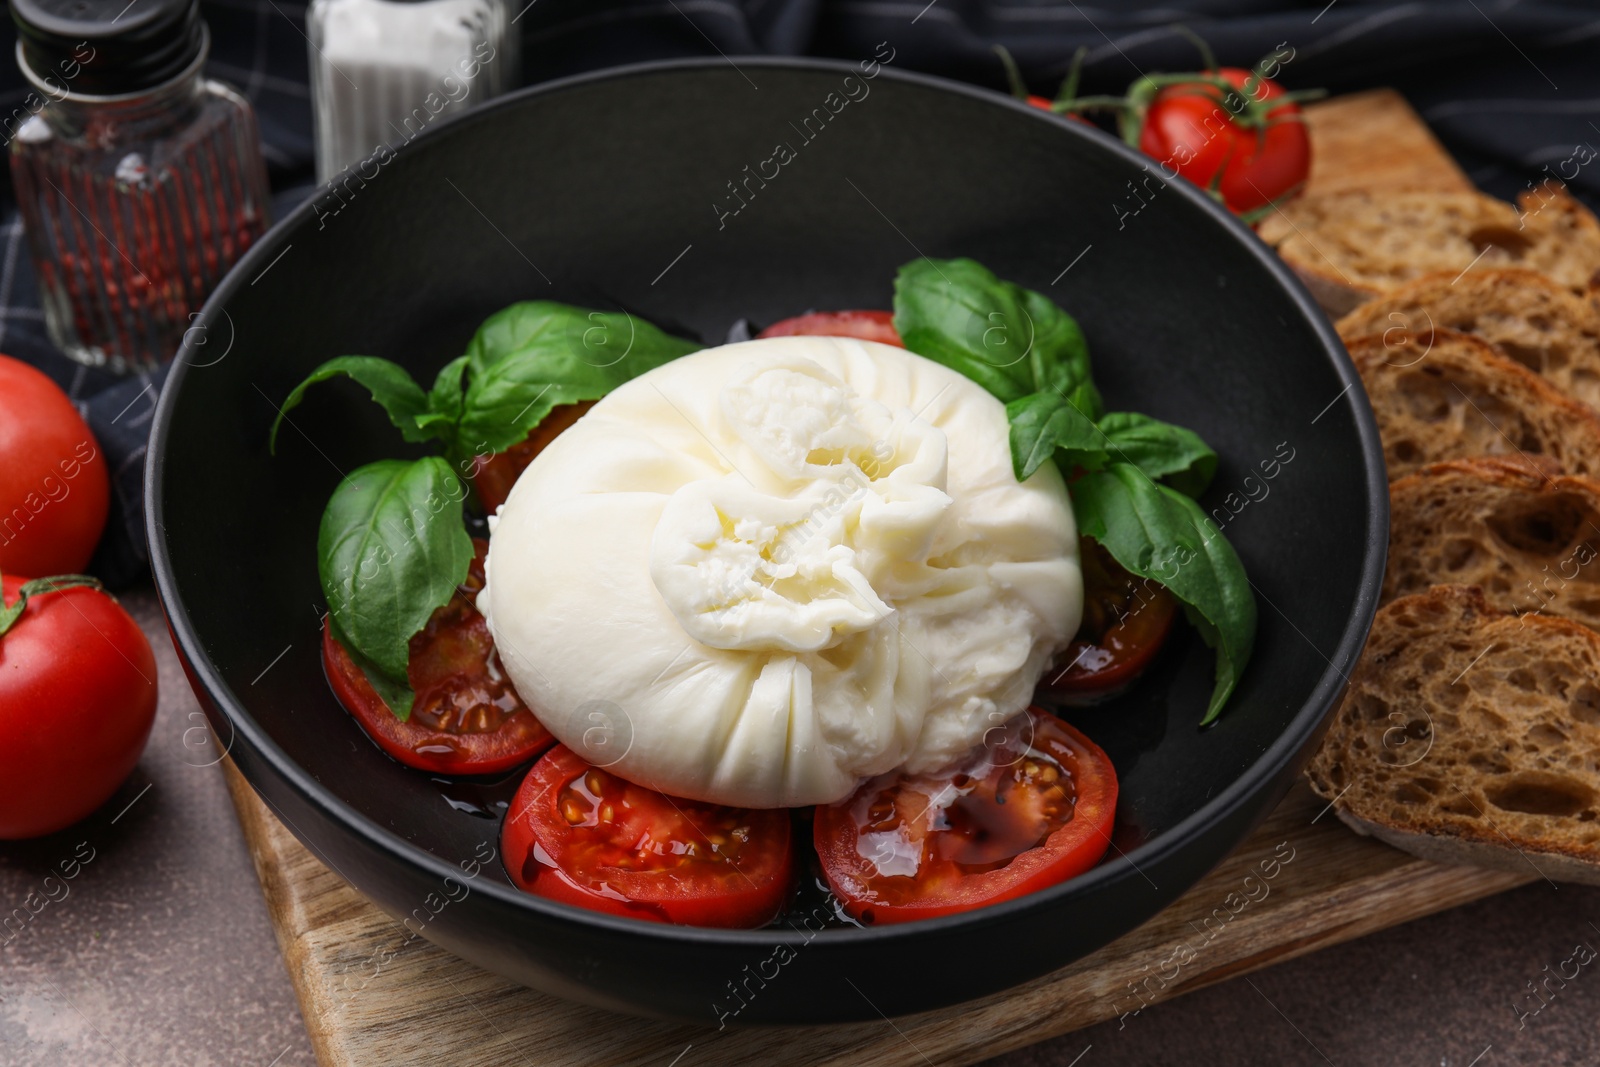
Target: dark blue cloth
<point x="1512" y="89"/>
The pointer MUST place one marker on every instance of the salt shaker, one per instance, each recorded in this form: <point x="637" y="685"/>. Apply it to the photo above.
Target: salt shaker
<point x="139" y="181"/>
<point x="382" y="71"/>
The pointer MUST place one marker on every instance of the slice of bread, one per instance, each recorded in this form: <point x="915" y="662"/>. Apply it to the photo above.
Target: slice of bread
<point x="1448" y="395"/>
<point x="1470" y="735"/>
<point x="1529" y="540"/>
<point x="1523" y="314"/>
<point x="1352" y="246"/>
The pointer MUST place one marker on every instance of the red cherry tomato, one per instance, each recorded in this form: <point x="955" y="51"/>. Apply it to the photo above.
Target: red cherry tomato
<point x="581" y="835"/>
<point x="1125" y="622"/>
<point x="866" y="325"/>
<point x="1032" y="808"/>
<point x="1250" y="159"/>
<point x="493" y="476"/>
<point x="77" y="699"/>
<point x="467" y="718"/>
<point x="54" y="491"/>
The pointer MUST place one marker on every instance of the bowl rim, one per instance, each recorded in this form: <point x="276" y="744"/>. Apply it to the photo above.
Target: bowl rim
<point x="1300" y="728"/>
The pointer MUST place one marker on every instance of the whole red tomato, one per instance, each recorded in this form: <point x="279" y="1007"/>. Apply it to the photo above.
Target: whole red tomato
<point x="77" y="699"/>
<point x="1247" y="146"/>
<point x="54" y="491"/>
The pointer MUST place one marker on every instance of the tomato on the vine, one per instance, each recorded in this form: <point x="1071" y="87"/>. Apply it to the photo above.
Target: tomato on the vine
<point x="1126" y="620"/>
<point x="54" y="491"/>
<point x="1230" y="131"/>
<point x="77" y="700"/>
<point x="1032" y="807"/>
<point x="581" y="835"/>
<point x="467" y="718"/>
<point x="865" y="325"/>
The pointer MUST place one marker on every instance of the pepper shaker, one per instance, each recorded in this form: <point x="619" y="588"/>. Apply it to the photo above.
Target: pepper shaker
<point x="139" y="181"/>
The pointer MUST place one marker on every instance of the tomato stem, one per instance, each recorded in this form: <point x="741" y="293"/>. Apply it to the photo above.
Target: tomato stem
<point x="1019" y="88"/>
<point x="1089" y="103"/>
<point x="1301" y="95"/>
<point x="1068" y="92"/>
<point x="41" y="586"/>
<point x="1207" y="57"/>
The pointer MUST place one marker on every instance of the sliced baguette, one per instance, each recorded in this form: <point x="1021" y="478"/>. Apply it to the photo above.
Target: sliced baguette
<point x="1470" y="735"/>
<point x="1448" y="395"/>
<point x="1529" y="540"/>
<point x="1352" y="246"/>
<point x="1523" y="314"/>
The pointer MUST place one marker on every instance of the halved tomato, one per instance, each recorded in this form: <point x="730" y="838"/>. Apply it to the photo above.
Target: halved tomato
<point x="581" y="835"/>
<point x="1126" y="620"/>
<point x="1032" y="807"/>
<point x="467" y="718"/>
<point x="493" y="476"/>
<point x="865" y="325"/>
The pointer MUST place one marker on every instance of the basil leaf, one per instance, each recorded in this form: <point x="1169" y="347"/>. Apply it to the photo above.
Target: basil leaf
<point x="391" y="550"/>
<point x="1156" y="532"/>
<point x="398" y="695"/>
<point x="444" y="399"/>
<point x="1160" y="449"/>
<point x="1060" y="354"/>
<point x="536" y="355"/>
<point x="394" y="390"/>
<point x="1086" y="398"/>
<point x="443" y="417"/>
<point x="1044" y="422"/>
<point x="1012" y="341"/>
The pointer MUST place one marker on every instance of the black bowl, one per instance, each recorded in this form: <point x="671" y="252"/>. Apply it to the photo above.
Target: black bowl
<point x="615" y="190"/>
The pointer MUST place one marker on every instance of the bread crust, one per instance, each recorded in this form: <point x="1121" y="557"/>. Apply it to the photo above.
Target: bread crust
<point x="1459" y="852"/>
<point x="1429" y="751"/>
<point x="1446" y="395"/>
<point x="1352" y="245"/>
<point x="1521" y="313"/>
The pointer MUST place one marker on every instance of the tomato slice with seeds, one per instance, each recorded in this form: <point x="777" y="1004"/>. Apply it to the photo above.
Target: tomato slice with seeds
<point x="1126" y="620"/>
<point x="581" y="835"/>
<point x="864" y="325"/>
<point x="493" y="476"/>
<point x="467" y="718"/>
<point x="1031" y="808"/>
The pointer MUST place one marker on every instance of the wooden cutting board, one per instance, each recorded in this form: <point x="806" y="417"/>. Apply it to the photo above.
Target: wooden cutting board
<point x="1311" y="882"/>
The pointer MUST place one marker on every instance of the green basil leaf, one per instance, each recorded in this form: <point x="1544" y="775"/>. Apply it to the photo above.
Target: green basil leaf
<point x="394" y="390"/>
<point x="536" y="355"/>
<point x="1044" y="422"/>
<point x="1060" y="354"/>
<point x="1012" y="341"/>
<point x="390" y="551"/>
<point x="445" y="398"/>
<point x="1156" y="532"/>
<point x="443" y="417"/>
<point x="1160" y="449"/>
<point x="397" y="694"/>
<point x="1086" y="398"/>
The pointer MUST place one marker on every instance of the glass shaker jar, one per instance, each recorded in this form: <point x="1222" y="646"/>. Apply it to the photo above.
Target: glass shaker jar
<point x="139" y="181"/>
<point x="382" y="71"/>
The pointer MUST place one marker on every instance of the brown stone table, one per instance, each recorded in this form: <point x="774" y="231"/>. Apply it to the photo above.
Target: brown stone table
<point x="160" y="953"/>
